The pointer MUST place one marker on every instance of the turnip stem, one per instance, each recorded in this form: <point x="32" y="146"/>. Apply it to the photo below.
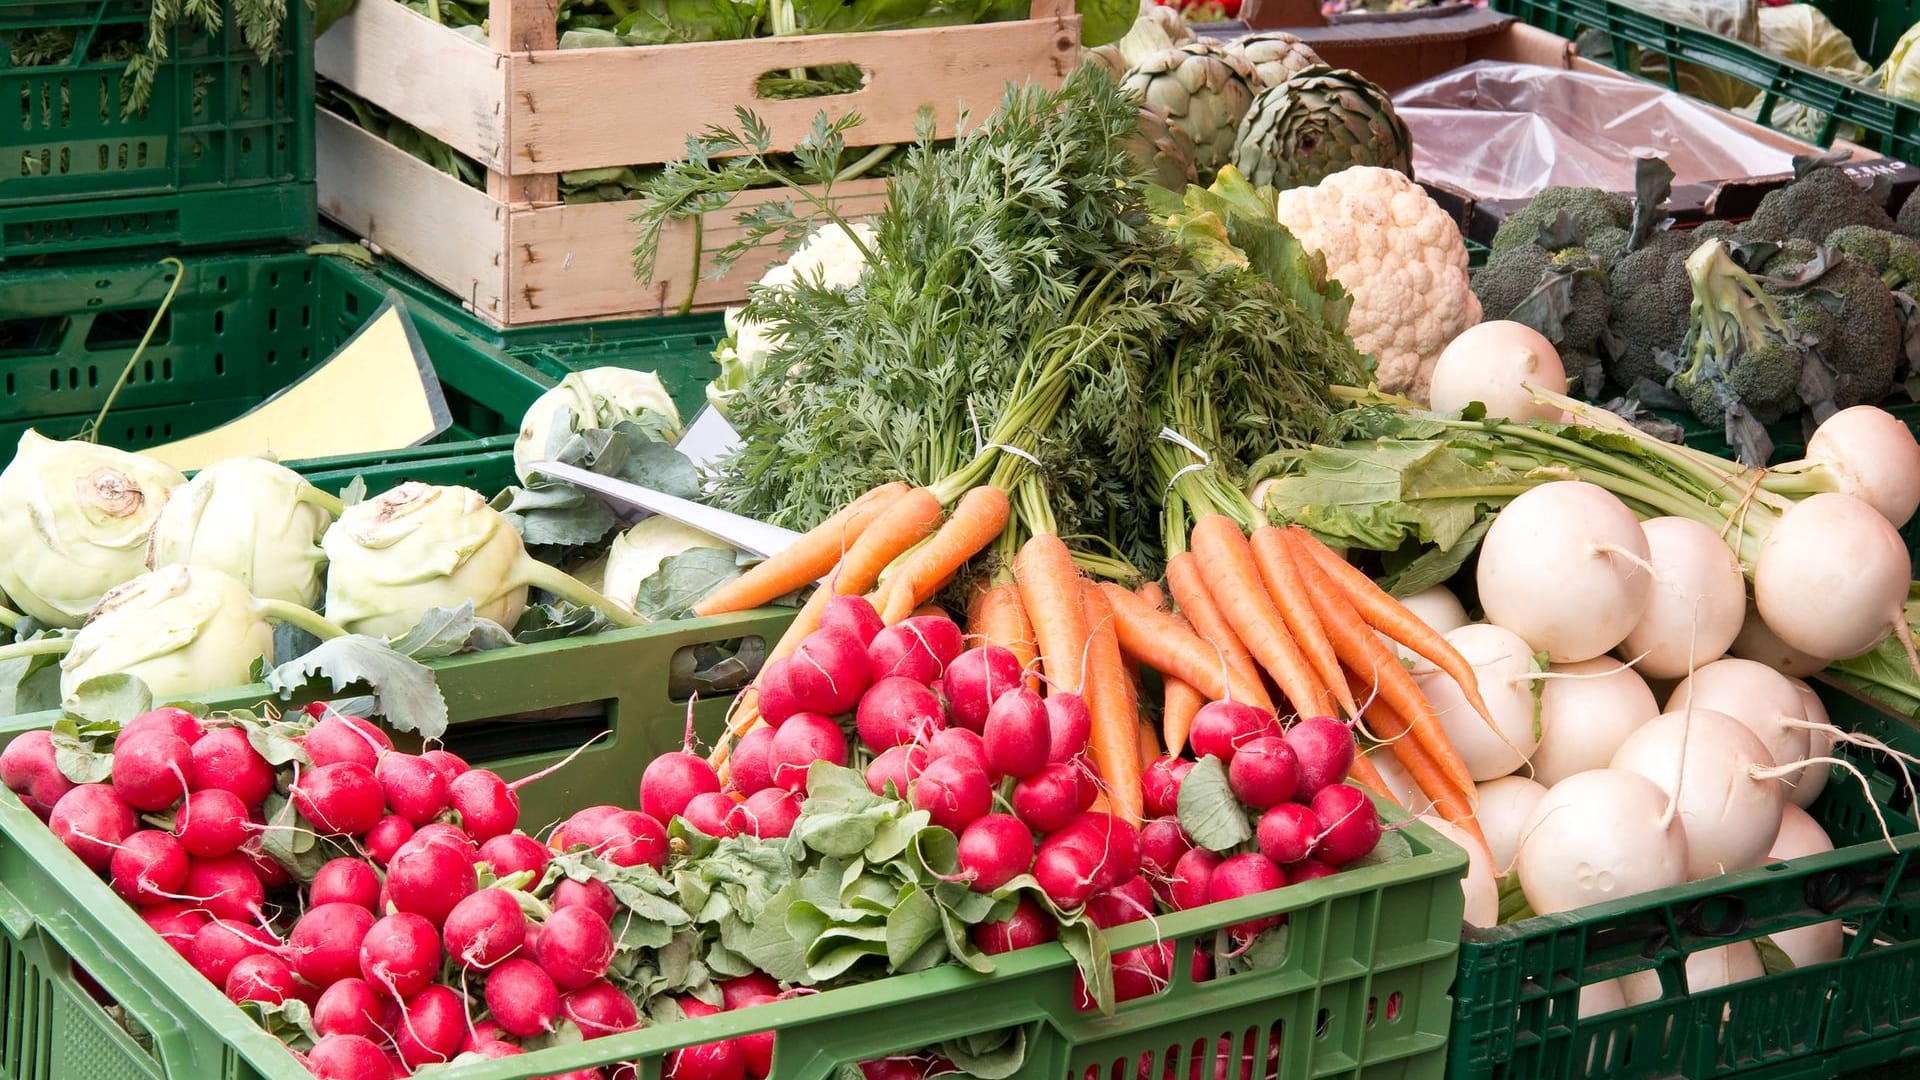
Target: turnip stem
<point x="559" y="583"/>
<point x="10" y="618"/>
<point x="48" y="646"/>
<point x="305" y="618"/>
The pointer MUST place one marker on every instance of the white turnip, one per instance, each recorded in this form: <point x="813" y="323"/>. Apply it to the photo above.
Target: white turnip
<point x="1587" y="709"/>
<point x="1757" y="642"/>
<point x="1601" y="997"/>
<point x="1505" y="806"/>
<point x="1803" y="789"/>
<point x="1801" y="836"/>
<point x="1719" y="774"/>
<point x="1863" y="451"/>
<point x="1440" y="609"/>
<point x="1496" y="363"/>
<point x="1832" y="578"/>
<point x="1502" y="664"/>
<point x="1400" y="782"/>
<point x="1697" y="605"/>
<point x="1757" y="696"/>
<point x="1481" y="885"/>
<point x="1708" y="969"/>
<point x="1597" y="836"/>
<point x="1564" y="567"/>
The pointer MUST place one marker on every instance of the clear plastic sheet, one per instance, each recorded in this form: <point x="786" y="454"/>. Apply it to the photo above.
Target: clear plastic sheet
<point x="1505" y="131"/>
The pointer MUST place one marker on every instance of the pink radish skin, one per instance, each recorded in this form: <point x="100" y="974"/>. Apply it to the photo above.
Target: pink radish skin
<point x="1050" y="798"/>
<point x="348" y="1057"/>
<point x="575" y="947"/>
<point x="954" y="792"/>
<point x="484" y="1032"/>
<point x="753" y="761"/>
<point x="1349" y="825"/>
<point x="1310" y="870"/>
<point x="176" y="923"/>
<point x="226" y="887"/>
<point x="896" y="712"/>
<point x="1018" y="737"/>
<point x="212" y="822"/>
<point x="1286" y="833"/>
<point x="671" y="781"/>
<point x="432" y="1027"/>
<point x="633" y="839"/>
<point x="1113" y="844"/>
<point x="828" y="672"/>
<point x="1264" y="772"/>
<point x="1065" y="874"/>
<point x="523" y="999"/>
<point x="961" y="743"/>
<point x="1245" y="875"/>
<point x="1192" y="880"/>
<point x="586" y="827"/>
<point x="721" y="1060"/>
<point x="1069" y="725"/>
<point x="757" y="1048"/>
<point x="1029" y="925"/>
<point x="919" y="648"/>
<point x="345" y="738"/>
<point x="592" y="894"/>
<point x="450" y="764"/>
<point x="1221" y="727"/>
<point x="413" y="787"/>
<point x="1162" y="842"/>
<point x="897" y="768"/>
<point x="514" y="853"/>
<point x="400" y="955"/>
<point x="429" y="879"/>
<point x="768" y="814"/>
<point x="737" y="992"/>
<point x="341" y="799"/>
<point x="801" y="741"/>
<point x="222" y="943"/>
<point x="486" y="805"/>
<point x="265" y="867"/>
<point x="350" y="1007"/>
<point x="345" y="881"/>
<point x="29" y="769"/>
<point x="150" y="770"/>
<point x="1323" y="750"/>
<point x="173" y="720"/>
<point x="326" y="942"/>
<point x="975" y="680"/>
<point x="1160" y="785"/>
<point x="149" y="868"/>
<point x="485" y="929"/>
<point x="386" y="838"/>
<point x="1129" y="901"/>
<point x="600" y="1009"/>
<point x="709" y="812"/>
<point x="994" y="850"/>
<point x="224" y="759"/>
<point x="774" y="693"/>
<point x="855" y="616"/>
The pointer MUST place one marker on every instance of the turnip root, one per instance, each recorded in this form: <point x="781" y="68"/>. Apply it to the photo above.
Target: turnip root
<point x="1505" y="805"/>
<point x="1756" y="642"/>
<point x="1832" y="578"/>
<point x="1481" y="884"/>
<point x="1757" y="696"/>
<point x="1502" y="662"/>
<point x="1698" y="601"/>
<point x="1587" y="709"/>
<point x="1864" y="451"/>
<point x="1601" y="997"/>
<point x="1496" y="363"/>
<point x="1717" y="771"/>
<point x="1709" y="969"/>
<point x="1564" y="567"/>
<point x="1597" y="836"/>
<point x="1801" y="836"/>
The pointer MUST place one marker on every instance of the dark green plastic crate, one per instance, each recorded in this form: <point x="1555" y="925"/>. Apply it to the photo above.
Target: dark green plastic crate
<point x="222" y="155"/>
<point x="1516" y="1000"/>
<point x="1362" y="993"/>
<point x="1872" y="25"/>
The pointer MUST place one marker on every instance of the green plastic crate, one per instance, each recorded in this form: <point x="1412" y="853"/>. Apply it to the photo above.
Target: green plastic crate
<point x="223" y="154"/>
<point x="1516" y="1000"/>
<point x="1873" y="25"/>
<point x="1362" y="993"/>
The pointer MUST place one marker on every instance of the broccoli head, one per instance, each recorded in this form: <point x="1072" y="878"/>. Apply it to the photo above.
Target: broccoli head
<point x="1609" y="244"/>
<point x="1509" y="277"/>
<point x="1740" y="347"/>
<point x="1812" y="207"/>
<point x="1591" y="209"/>
<point x="1908" y="221"/>
<point x="1649" y="293"/>
<point x="1561" y="294"/>
<point x="1842" y="304"/>
<point x="1894" y="256"/>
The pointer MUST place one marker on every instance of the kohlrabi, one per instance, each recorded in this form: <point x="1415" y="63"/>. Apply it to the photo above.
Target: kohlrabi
<point x="832" y="258"/>
<point x="586" y="400"/>
<point x="80" y="514"/>
<point x="252" y="518"/>
<point x="636" y="554"/>
<point x="418" y="547"/>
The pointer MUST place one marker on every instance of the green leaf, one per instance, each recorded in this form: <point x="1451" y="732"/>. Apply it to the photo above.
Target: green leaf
<point x="1088" y="947"/>
<point x="554" y="513"/>
<point x="77" y="759"/>
<point x="683" y="580"/>
<point x="408" y="695"/>
<point x="278" y="742"/>
<point x="1103" y="21"/>
<point x="1773" y="959"/>
<point x="1208" y="810"/>
<point x="992" y="1055"/>
<point x="1268" y="949"/>
<point x="115" y="698"/>
<point x="1392" y="847"/>
<point x="557" y="620"/>
<point x="446" y="631"/>
<point x="914" y="921"/>
<point x="1513" y="901"/>
<point x="29" y="684"/>
<point x="325" y="14"/>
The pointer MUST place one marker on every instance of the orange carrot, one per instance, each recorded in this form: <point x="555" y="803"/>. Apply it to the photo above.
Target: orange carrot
<point x="1451" y="801"/>
<point x="1274" y="556"/>
<point x="1149" y="745"/>
<point x="910" y="519"/>
<point x="1150" y="592"/>
<point x="1391" y="617"/>
<point x="1233" y="580"/>
<point x="1051" y="595"/>
<point x="1159" y="641"/>
<point x="1197" y="606"/>
<point x="1116" y="716"/>
<point x="1181" y="704"/>
<point x="1370" y="778"/>
<point x="978" y="518"/>
<point x="996" y="618"/>
<point x="806" y="560"/>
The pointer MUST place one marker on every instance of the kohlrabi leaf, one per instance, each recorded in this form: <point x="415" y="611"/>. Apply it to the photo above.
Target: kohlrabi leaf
<point x="408" y="696"/>
<point x="683" y="580"/>
<point x="554" y="513"/>
<point x="82" y="752"/>
<point x="992" y="1055"/>
<point x="559" y="619"/>
<point x="446" y="631"/>
<point x="109" y="699"/>
<point x="1208" y="810"/>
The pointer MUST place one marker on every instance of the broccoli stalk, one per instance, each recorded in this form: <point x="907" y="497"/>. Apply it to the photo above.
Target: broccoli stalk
<point x="1743" y="356"/>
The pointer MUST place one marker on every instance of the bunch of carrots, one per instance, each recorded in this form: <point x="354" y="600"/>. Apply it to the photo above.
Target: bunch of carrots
<point x="1276" y="619"/>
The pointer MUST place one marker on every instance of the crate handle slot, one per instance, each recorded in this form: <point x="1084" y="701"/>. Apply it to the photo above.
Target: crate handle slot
<point x="1716" y="916"/>
<point x="765" y="83"/>
<point x="89" y="960"/>
<point x="1826" y="892"/>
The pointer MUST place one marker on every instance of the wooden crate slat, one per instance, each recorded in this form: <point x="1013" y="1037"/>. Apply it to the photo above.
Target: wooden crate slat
<point x="445" y="84"/>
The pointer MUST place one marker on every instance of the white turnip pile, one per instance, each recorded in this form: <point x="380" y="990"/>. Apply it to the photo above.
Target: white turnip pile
<point x="1587" y="709"/>
<point x="1502" y="664"/>
<point x="1708" y="969"/>
<point x="1564" y="566"/>
<point x="1801" y="836"/>
<point x="1697" y="605"/>
<point x="1597" y="836"/>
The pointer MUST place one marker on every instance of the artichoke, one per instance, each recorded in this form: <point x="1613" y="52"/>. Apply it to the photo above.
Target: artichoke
<point x="1276" y="56"/>
<point x="1317" y="123"/>
<point x="254" y="519"/>
<point x="1158" y="27"/>
<point x="1162" y="151"/>
<point x="1203" y="90"/>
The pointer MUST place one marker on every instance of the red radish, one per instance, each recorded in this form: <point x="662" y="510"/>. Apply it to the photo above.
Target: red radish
<point x="150" y="867"/>
<point x="325" y="943"/>
<point x="721" y="1060"/>
<point x="428" y="879"/>
<point x="1065" y="874"/>
<point x="513" y="853"/>
<point x="1142" y="972"/>
<point x="222" y="943"/>
<point x="768" y="814"/>
<point x="975" y="680"/>
<point x="854" y="615"/>
<point x="994" y="850"/>
<point x="1160" y="785"/>
<point x="897" y="767"/>
<point x="586" y="827"/>
<point x="1220" y="727"/>
<point x="30" y="770"/>
<point x="211" y="822"/>
<point x="446" y="835"/>
<point x="339" y="737"/>
<point x="224" y="758"/>
<point x="176" y="923"/>
<point x="264" y="866"/>
<point x="953" y="791"/>
<point x="736" y="992"/>
<point x="752" y="761"/>
<point x="1162" y="842"/>
<point x="413" y="787"/>
<point x="495" y="1048"/>
<point x="170" y="719"/>
<point x="1028" y="925"/>
<point x="400" y="955"/>
<point x="1264" y="772"/>
<point x="451" y="765"/>
<point x="1050" y="798"/>
<point x="804" y="739"/>
<point x="828" y="672"/>
<point x="1192" y="879"/>
<point x="345" y="881"/>
<point x="150" y="770"/>
<point x="484" y="929"/>
<point x="575" y="947"/>
<point x="709" y="812"/>
<point x="432" y="1027"/>
<point x="1349" y="825"/>
<point x="633" y="839"/>
<point x="961" y="743"/>
<point x="348" y="1057"/>
<point x="484" y="1032"/>
<point x="1310" y="870"/>
<point x="600" y="1009"/>
<point x="339" y="799"/>
<point x="592" y="894"/>
<point x="1129" y="901"/>
<point x="226" y="887"/>
<point x="523" y="999"/>
<point x="1324" y="749"/>
<point x="486" y="804"/>
<point x="899" y="1068"/>
<point x="1114" y="845"/>
<point x="1287" y="832"/>
<point x="1017" y="737"/>
<point x="757" y="1048"/>
<point x="919" y="648"/>
<point x="671" y="781"/>
<point x="349" y="1007"/>
<point x="895" y="712"/>
<point x="774" y="696"/>
<point x="1069" y="724"/>
<point x="387" y="837"/>
<point x="1245" y="875"/>
<point x="692" y="1008"/>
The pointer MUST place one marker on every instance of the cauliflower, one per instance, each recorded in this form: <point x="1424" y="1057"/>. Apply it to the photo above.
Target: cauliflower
<point x="828" y="258"/>
<point x="1400" y="256"/>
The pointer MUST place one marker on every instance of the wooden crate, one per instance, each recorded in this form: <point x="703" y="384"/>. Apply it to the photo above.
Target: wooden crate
<point x="528" y="112"/>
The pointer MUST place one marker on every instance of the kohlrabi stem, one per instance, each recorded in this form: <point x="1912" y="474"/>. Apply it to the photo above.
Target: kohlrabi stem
<point x="10" y="618"/>
<point x="559" y="583"/>
<point x="330" y="503"/>
<point x="47" y="646"/>
<point x="305" y="618"/>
